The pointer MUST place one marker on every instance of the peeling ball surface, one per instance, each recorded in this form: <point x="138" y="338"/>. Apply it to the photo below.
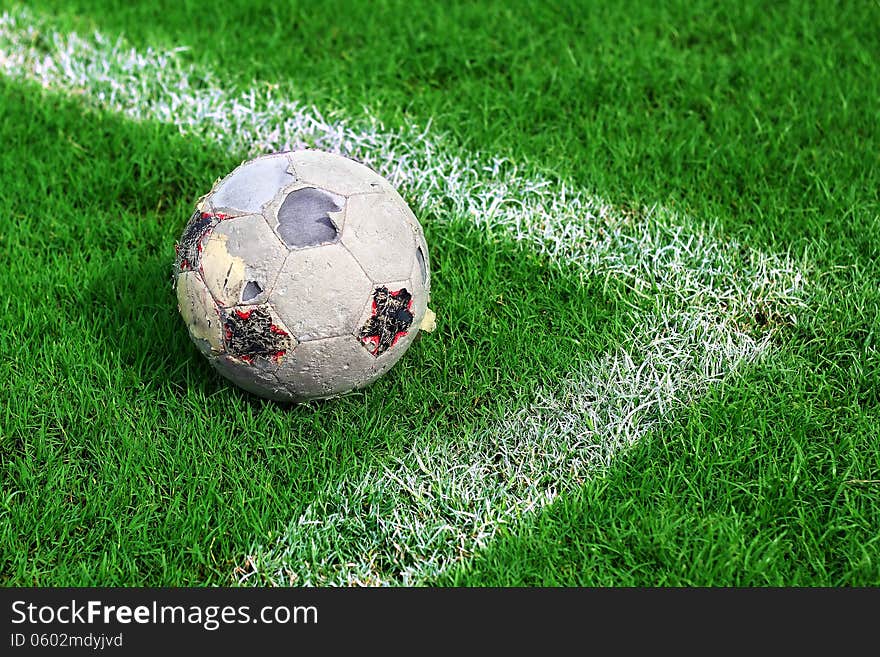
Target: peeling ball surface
<point x="302" y="276"/>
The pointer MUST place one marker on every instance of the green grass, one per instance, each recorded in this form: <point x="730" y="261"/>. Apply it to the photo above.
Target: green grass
<point x="126" y="460"/>
<point x="762" y="116"/>
<point x="751" y="487"/>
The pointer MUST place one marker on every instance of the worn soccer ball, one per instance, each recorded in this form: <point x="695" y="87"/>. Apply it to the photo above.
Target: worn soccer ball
<point x="303" y="275"/>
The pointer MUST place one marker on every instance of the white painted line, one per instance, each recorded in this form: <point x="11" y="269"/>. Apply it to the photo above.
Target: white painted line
<point x="407" y="520"/>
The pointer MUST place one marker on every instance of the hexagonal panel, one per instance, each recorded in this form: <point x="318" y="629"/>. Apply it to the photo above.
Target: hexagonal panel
<point x="418" y="232"/>
<point x="199" y="313"/>
<point x="421" y="293"/>
<point x="336" y="173"/>
<point x="326" y="368"/>
<point x="241" y="259"/>
<point x="410" y="215"/>
<point x="257" y="377"/>
<point x="320" y="292"/>
<point x="387" y="319"/>
<point x="253" y="334"/>
<point x="423" y="261"/>
<point x="247" y="189"/>
<point x="379" y="235"/>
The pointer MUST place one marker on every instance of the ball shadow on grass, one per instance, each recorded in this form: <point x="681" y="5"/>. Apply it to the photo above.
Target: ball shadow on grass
<point x="133" y="313"/>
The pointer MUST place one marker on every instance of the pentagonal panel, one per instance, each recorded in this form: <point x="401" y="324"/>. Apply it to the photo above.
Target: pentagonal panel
<point x="326" y="368"/>
<point x="241" y="259"/>
<point x="336" y="173"/>
<point x="308" y="216"/>
<point x="254" y="334"/>
<point x="320" y="292"/>
<point x="387" y="319"/>
<point x="378" y="234"/>
<point x="199" y="313"/>
<point x="189" y="248"/>
<point x="247" y="189"/>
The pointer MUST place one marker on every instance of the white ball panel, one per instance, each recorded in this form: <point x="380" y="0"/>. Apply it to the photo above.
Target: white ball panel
<point x="242" y="255"/>
<point x="326" y="368"/>
<point x="337" y="174"/>
<point x="199" y="312"/>
<point x="421" y="294"/>
<point x="247" y="189"/>
<point x="257" y="377"/>
<point x="320" y="292"/>
<point x="378" y="234"/>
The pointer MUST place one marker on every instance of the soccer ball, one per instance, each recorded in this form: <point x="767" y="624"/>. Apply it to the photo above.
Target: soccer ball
<point x="303" y="275"/>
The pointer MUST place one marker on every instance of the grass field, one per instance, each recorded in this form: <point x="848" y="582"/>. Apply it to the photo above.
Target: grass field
<point x="655" y="239"/>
